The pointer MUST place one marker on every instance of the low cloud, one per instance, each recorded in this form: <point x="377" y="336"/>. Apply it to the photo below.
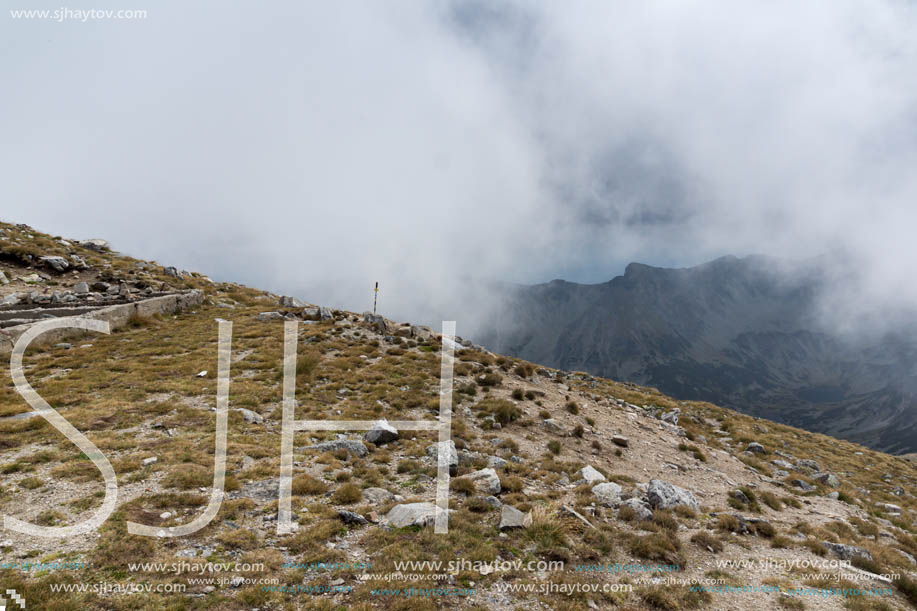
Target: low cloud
<point x="314" y="149"/>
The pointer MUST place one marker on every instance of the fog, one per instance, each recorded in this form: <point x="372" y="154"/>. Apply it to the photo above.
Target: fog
<point x="315" y="148"/>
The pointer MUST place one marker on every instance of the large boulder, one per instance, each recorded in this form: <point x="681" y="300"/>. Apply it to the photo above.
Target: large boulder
<point x="81" y="288"/>
<point x="450" y="451"/>
<point x="355" y="448"/>
<point x="828" y="479"/>
<point x="378" y="496"/>
<point x="663" y="495"/>
<point x="58" y="264"/>
<point x="486" y="481"/>
<point x="381" y="433"/>
<point x="591" y="475"/>
<point x="755" y="448"/>
<point x="263" y="316"/>
<point x="607" y="494"/>
<point x="511" y="518"/>
<point x="807" y="464"/>
<point x="411" y="514"/>
<point x="95" y="244"/>
<point x="802" y="485"/>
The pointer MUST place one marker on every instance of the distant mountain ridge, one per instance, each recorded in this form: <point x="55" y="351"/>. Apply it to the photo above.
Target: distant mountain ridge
<point x="742" y="333"/>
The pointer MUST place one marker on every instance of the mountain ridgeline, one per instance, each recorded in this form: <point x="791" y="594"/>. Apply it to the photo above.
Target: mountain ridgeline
<point x="742" y="333"/>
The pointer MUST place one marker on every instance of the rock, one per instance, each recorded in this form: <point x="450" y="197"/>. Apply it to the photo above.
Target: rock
<point x="58" y="264"/>
<point x="755" y="448"/>
<point x="381" y="433"/>
<point x="149" y="461"/>
<point x="782" y="464"/>
<point x="663" y="495"/>
<point x="811" y="465"/>
<point x="11" y="299"/>
<point x="486" y="481"/>
<point x="325" y="314"/>
<point x="492" y="501"/>
<point x="32" y="279"/>
<point x="828" y="479"/>
<point x="671" y="417"/>
<point x="804" y="486"/>
<point x="201" y="374"/>
<point x="3" y="278"/>
<point x="250" y="416"/>
<point x="511" y="518"/>
<point x="356" y="448"/>
<point x="263" y="316"/>
<point x="741" y="497"/>
<point x="171" y="271"/>
<point x="96" y="244"/>
<point x="620" y="440"/>
<point x="575" y="514"/>
<point x="421" y="332"/>
<point x="78" y="262"/>
<point x="496" y="462"/>
<point x="552" y="426"/>
<point x="291" y="302"/>
<point x="349" y="517"/>
<point x="81" y="288"/>
<point x="591" y="475"/>
<point x="833" y="495"/>
<point x="100" y="287"/>
<point x="310" y="313"/>
<point x="377" y="321"/>
<point x="642" y="511"/>
<point x="608" y="494"/>
<point x="165" y="515"/>
<point x="779" y="473"/>
<point x="378" y="496"/>
<point x="411" y="514"/>
<point x="124" y="290"/>
<point x="63" y="346"/>
<point x="847" y="552"/>
<point x="451" y="455"/>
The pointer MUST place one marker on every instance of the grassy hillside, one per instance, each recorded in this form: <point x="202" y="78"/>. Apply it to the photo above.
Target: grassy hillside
<point x="137" y="395"/>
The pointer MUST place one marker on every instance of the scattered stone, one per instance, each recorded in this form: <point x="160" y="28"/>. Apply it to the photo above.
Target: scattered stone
<point x="663" y="495"/>
<point x="11" y="299"/>
<point x="149" y="461"/>
<point x="608" y="494"/>
<point x="641" y="509"/>
<point x="165" y="515"/>
<point x="325" y="314"/>
<point x="411" y="514"/>
<point x="3" y="278"/>
<point x="782" y="464"/>
<point x="576" y="515"/>
<point x="485" y="480"/>
<point x="291" y="302"/>
<point x="201" y="374"/>
<point x="741" y="497"/>
<point x="356" y="448"/>
<point x="828" y="479"/>
<point x="381" y="433"/>
<point x="591" y="475"/>
<point x="63" y="346"/>
<point x="250" y="416"/>
<point x="755" y="448"/>
<point x="511" y="518"/>
<point x="100" y="287"/>
<point x="847" y="552"/>
<point x="81" y="288"/>
<point x="264" y="316"/>
<point x="620" y="440"/>
<point x="671" y="417"/>
<point x="451" y="454"/>
<point x="496" y="462"/>
<point x="552" y="426"/>
<point x="491" y="501"/>
<point x="811" y="465"/>
<point x="833" y="495"/>
<point x="349" y="517"/>
<point x="804" y="486"/>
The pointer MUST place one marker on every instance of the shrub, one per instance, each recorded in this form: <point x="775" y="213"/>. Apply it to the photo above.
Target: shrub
<point x="544" y="414"/>
<point x="530" y="395"/>
<point x="308" y="485"/>
<point x="572" y="407"/>
<point x="554" y="447"/>
<point x="463" y="485"/>
<point x="517" y="394"/>
<point x="347" y="494"/>
<point x="489" y="379"/>
<point x="525" y="370"/>
<point x="578" y="431"/>
<point x="706" y="540"/>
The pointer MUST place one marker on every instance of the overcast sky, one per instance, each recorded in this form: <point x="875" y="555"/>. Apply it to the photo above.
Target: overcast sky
<point x="313" y="148"/>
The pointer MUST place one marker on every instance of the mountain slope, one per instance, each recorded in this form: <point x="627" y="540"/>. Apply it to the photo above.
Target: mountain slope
<point x="527" y="438"/>
<point x="738" y="332"/>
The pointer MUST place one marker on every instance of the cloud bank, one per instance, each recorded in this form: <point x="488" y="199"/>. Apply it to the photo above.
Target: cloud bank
<point x="315" y="148"/>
